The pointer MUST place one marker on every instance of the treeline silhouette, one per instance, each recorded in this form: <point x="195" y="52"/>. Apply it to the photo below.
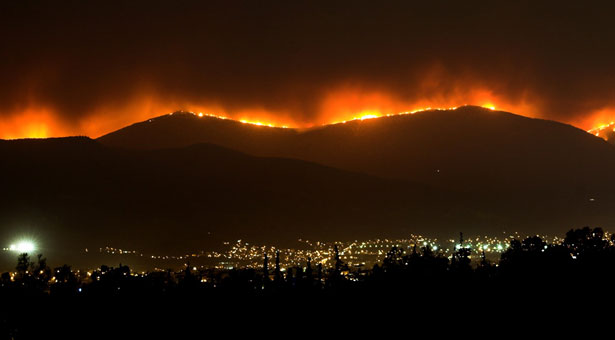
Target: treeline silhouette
<point x="529" y="274"/>
<point x="586" y="256"/>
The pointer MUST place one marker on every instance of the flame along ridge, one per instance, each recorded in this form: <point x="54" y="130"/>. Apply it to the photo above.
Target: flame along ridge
<point x="366" y="116"/>
<point x="597" y="130"/>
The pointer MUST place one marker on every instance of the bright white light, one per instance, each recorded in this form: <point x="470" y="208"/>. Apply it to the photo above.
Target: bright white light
<point x="22" y="247"/>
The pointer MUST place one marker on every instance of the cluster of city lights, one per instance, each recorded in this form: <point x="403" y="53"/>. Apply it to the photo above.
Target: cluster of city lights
<point x="241" y="254"/>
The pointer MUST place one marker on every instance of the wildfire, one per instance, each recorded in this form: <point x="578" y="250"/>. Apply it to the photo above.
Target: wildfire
<point x="335" y="105"/>
<point x="600" y="123"/>
<point x="244" y="121"/>
<point x="32" y="123"/>
<point x="43" y="126"/>
<point x="600" y="131"/>
<point x="365" y="116"/>
<point x="338" y="108"/>
<point x="362" y="116"/>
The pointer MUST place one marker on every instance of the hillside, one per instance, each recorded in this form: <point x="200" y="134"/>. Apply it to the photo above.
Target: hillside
<point x="182" y="183"/>
<point x="535" y="174"/>
<point x="470" y="147"/>
<point x="73" y="193"/>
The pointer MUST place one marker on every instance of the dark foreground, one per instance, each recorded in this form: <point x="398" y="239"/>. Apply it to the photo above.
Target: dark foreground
<point x="532" y="276"/>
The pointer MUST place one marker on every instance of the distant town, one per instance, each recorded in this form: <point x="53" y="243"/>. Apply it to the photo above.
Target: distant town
<point x="241" y="254"/>
<point x="356" y="254"/>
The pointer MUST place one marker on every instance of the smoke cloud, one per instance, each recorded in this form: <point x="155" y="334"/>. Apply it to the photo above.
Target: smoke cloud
<point x="92" y="67"/>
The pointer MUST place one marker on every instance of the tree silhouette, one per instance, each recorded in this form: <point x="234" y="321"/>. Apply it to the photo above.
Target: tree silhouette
<point x="584" y="260"/>
<point x="308" y="270"/>
<point x="266" y="269"/>
<point x="23" y="264"/>
<point x="338" y="262"/>
<point x="289" y="277"/>
<point x="460" y="261"/>
<point x="586" y="243"/>
<point x="278" y="276"/>
<point x="40" y="270"/>
<point x="64" y="274"/>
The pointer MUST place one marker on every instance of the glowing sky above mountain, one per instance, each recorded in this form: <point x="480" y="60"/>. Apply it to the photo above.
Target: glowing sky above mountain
<point x="92" y="67"/>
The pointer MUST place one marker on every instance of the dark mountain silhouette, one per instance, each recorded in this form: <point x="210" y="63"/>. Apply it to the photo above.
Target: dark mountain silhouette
<point x="526" y="174"/>
<point x="75" y="193"/>
<point x="610" y="137"/>
<point x="470" y="147"/>
<point x="173" y="184"/>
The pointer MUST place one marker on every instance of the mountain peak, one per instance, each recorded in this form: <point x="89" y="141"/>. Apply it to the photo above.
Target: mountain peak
<point x="194" y="116"/>
<point x="210" y="116"/>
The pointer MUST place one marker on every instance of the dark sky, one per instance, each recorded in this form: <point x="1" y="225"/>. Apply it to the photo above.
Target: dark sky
<point x="90" y="67"/>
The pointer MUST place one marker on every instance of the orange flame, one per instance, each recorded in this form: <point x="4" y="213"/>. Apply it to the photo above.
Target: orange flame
<point x="345" y="105"/>
<point x="32" y="123"/>
<point x="337" y="106"/>
<point x="601" y="123"/>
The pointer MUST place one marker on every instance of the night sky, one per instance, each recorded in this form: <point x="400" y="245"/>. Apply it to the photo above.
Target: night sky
<point x="75" y="67"/>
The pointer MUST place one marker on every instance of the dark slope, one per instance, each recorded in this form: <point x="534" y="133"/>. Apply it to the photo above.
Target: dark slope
<point x="530" y="174"/>
<point x="183" y="129"/>
<point x="471" y="147"/>
<point x="74" y="193"/>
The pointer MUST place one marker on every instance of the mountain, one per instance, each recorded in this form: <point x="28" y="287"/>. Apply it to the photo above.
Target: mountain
<point x="182" y="183"/>
<point x="74" y="193"/>
<point x="470" y="147"/>
<point x="526" y="174"/>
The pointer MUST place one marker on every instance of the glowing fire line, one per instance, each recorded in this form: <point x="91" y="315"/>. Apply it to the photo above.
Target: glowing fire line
<point x="244" y="121"/>
<point x="367" y="115"/>
<point x="372" y="115"/>
<point x="597" y="130"/>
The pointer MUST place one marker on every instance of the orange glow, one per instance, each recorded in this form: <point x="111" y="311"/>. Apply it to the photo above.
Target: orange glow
<point x="368" y="116"/>
<point x="600" y="123"/>
<point x="337" y="106"/>
<point x="32" y="123"/>
<point x="244" y="121"/>
<point x="109" y="119"/>
<point x="489" y="106"/>
<point x="353" y="104"/>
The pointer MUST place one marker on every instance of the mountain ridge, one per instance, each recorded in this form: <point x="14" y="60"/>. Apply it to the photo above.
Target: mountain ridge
<point x="435" y="139"/>
<point x="436" y="173"/>
<point x="537" y="174"/>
